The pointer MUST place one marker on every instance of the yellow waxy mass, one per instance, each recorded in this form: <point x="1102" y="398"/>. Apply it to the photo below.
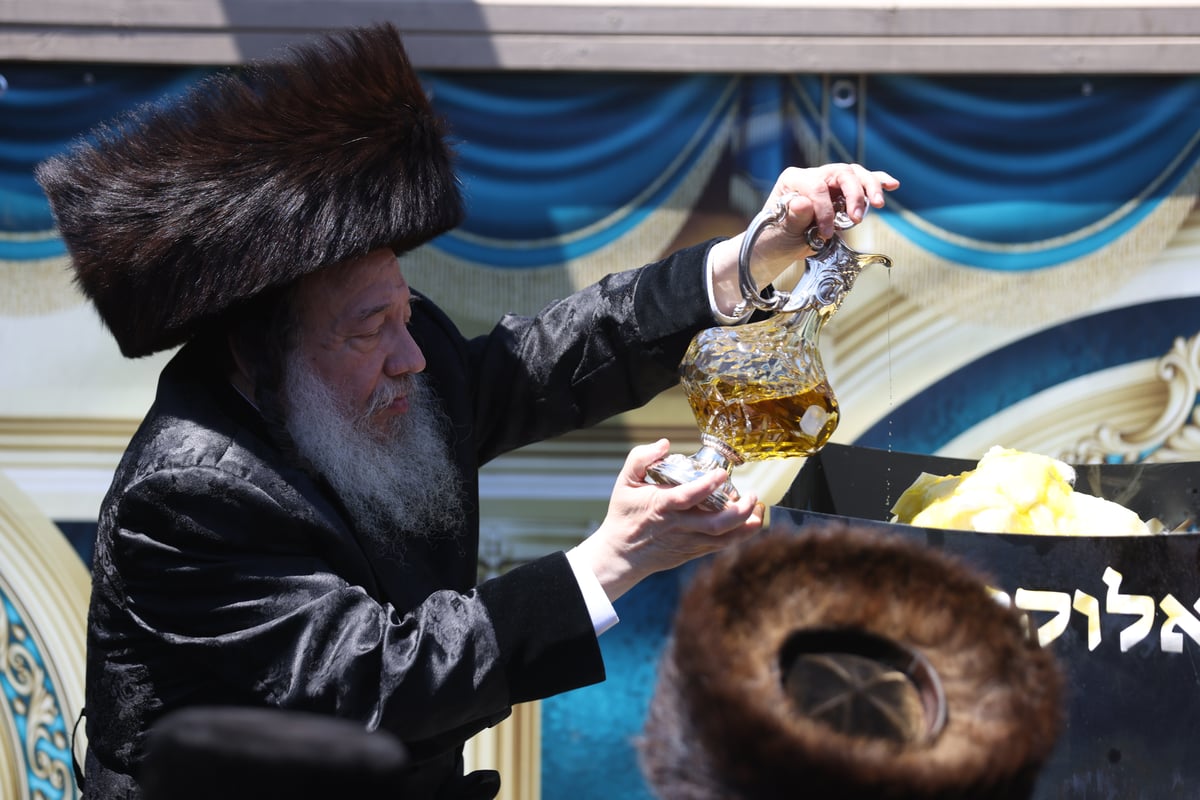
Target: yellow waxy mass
<point x="1012" y="491"/>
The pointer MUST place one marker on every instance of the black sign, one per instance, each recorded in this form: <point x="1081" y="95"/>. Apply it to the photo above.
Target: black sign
<point x="1121" y="613"/>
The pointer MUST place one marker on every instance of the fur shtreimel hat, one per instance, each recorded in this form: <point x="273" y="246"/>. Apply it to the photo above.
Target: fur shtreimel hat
<point x="727" y="722"/>
<point x="256" y="177"/>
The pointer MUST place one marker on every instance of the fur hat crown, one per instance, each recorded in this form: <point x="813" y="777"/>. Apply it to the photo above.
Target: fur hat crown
<point x="724" y="722"/>
<point x="254" y="178"/>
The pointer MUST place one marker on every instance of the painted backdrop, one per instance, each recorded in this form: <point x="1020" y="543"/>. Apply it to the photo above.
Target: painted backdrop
<point x="1045" y="294"/>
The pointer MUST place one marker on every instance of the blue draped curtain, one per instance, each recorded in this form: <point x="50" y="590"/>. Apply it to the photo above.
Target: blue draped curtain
<point x="999" y="173"/>
<point x="42" y="109"/>
<point x="556" y="168"/>
<point x="1016" y="174"/>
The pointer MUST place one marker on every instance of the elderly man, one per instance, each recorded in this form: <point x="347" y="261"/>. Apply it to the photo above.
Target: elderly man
<point x="295" y="524"/>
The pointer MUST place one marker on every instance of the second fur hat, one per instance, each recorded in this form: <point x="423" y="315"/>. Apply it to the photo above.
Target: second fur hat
<point x="727" y="722"/>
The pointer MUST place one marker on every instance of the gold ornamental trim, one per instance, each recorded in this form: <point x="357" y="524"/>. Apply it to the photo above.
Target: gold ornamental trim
<point x="44" y="586"/>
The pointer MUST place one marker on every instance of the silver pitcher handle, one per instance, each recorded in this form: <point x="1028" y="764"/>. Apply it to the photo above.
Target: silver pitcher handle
<point x="751" y="295"/>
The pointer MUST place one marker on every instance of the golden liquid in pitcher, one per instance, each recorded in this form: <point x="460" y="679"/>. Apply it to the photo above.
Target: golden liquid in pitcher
<point x="765" y="420"/>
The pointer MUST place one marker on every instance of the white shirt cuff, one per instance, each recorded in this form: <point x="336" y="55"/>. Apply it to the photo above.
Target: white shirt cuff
<point x="721" y="317"/>
<point x="603" y="615"/>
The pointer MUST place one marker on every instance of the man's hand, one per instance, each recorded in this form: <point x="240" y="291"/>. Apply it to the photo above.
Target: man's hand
<point x="652" y="528"/>
<point x="812" y="197"/>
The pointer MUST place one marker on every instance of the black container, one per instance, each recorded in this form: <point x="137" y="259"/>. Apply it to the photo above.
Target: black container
<point x="1133" y="704"/>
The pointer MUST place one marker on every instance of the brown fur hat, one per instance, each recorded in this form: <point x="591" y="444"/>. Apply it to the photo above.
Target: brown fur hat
<point x="256" y="177"/>
<point x="721" y="725"/>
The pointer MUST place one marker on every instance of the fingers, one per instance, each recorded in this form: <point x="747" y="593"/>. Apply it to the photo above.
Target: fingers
<point x="691" y="494"/>
<point x="649" y="528"/>
<point x="745" y="515"/>
<point x="738" y="521"/>
<point x="817" y="190"/>
<point x="861" y="188"/>
<point x="683" y="502"/>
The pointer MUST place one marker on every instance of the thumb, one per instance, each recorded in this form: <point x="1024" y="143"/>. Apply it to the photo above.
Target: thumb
<point x="640" y="459"/>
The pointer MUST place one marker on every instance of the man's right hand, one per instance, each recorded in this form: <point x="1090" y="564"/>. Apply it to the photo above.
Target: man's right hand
<point x="650" y="528"/>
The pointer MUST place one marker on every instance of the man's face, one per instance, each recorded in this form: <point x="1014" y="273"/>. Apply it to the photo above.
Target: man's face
<point x="359" y="412"/>
<point x="354" y="334"/>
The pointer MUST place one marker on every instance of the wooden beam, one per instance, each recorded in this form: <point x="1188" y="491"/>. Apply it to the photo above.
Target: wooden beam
<point x="994" y="36"/>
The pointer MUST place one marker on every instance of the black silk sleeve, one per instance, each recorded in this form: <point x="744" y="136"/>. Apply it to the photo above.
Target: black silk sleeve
<point x="605" y="349"/>
<point x="238" y="596"/>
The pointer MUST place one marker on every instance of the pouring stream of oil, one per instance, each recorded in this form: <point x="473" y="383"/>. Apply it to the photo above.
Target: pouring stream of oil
<point x="891" y="396"/>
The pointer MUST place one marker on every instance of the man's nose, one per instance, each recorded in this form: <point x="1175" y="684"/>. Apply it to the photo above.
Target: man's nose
<point x="405" y="355"/>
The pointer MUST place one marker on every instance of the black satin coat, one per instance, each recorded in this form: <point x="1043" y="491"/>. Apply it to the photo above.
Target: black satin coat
<point x="224" y="574"/>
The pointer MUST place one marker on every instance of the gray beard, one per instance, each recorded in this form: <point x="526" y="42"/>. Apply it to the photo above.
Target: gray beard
<point x="395" y="485"/>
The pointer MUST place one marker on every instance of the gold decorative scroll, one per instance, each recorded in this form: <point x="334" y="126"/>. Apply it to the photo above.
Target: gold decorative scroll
<point x="1173" y="436"/>
<point x="44" y="589"/>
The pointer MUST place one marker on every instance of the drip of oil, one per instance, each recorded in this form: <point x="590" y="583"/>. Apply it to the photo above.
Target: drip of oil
<point x="891" y="407"/>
